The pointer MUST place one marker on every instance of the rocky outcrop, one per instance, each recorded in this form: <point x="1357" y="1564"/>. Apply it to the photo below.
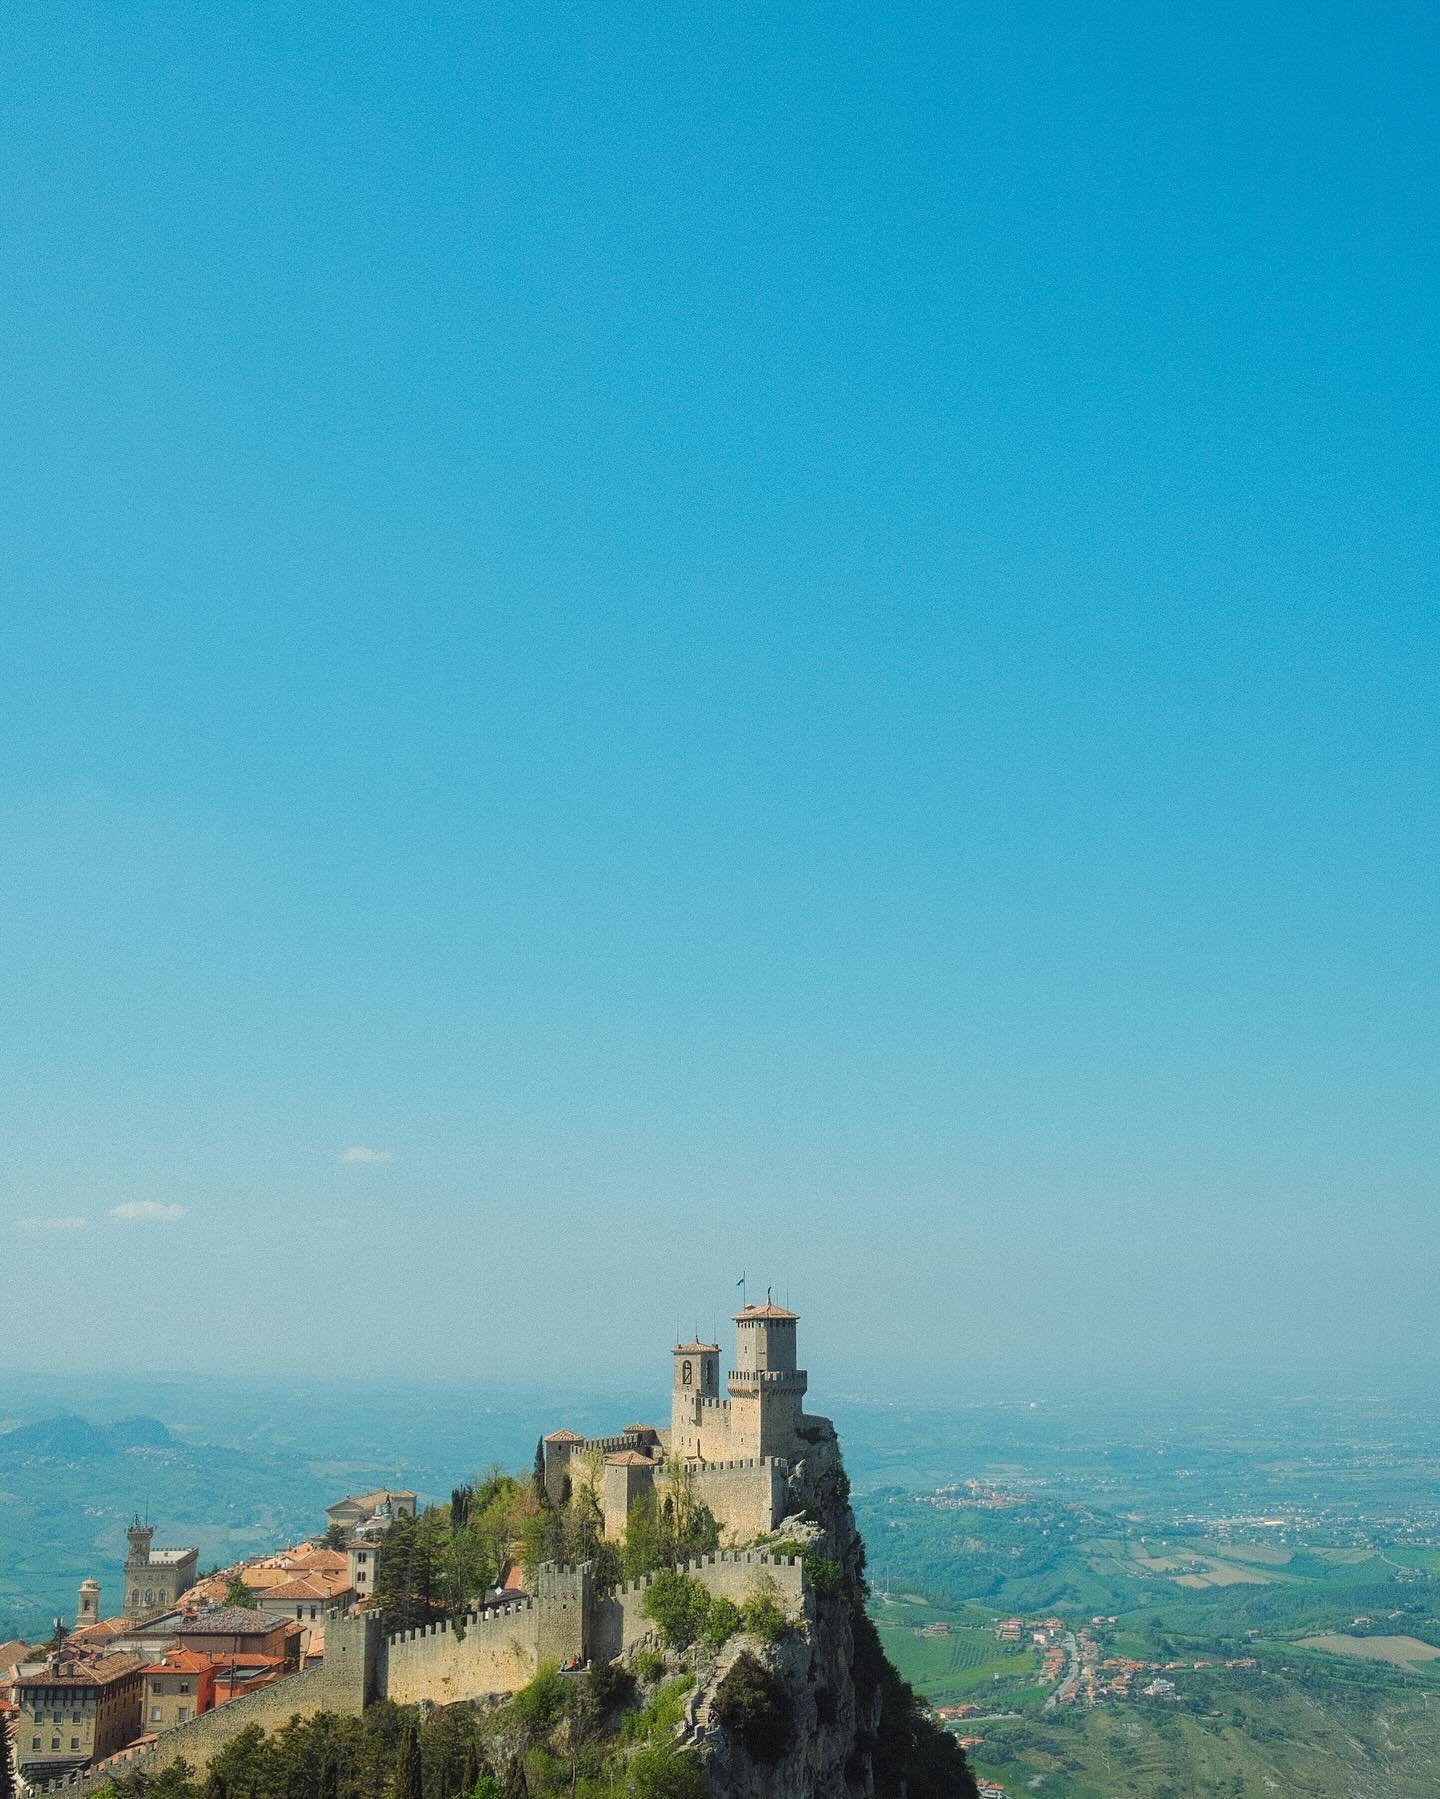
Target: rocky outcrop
<point x="818" y="1713"/>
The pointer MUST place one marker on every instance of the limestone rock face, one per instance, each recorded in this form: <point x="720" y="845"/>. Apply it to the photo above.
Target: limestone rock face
<point x="835" y="1719"/>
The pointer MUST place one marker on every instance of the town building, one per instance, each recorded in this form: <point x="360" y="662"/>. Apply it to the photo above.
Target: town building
<point x="154" y="1578"/>
<point x="232" y="1630"/>
<point x="356" y="1508"/>
<point x="178" y="1687"/>
<point x="73" y="1710"/>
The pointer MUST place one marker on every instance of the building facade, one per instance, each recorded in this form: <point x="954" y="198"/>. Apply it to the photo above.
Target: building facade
<point x="178" y="1687"/>
<point x="154" y="1578"/>
<point x="75" y="1710"/>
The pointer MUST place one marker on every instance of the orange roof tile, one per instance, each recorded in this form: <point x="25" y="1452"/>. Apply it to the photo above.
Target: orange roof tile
<point x="179" y="1661"/>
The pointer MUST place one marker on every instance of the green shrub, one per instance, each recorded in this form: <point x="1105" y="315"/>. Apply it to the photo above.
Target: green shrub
<point x="752" y="1704"/>
<point x="822" y="1574"/>
<point x="664" y="1772"/>
<point x="763" y="1617"/>
<point x="721" y="1622"/>
<point x="661" y="1713"/>
<point x="679" y="1605"/>
<point x="649" y="1665"/>
<point x="538" y="1706"/>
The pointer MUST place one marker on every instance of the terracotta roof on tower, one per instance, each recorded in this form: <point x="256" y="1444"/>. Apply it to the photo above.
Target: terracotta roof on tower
<point x="697" y="1348"/>
<point x="628" y="1458"/>
<point x="768" y="1310"/>
<point x="563" y="1436"/>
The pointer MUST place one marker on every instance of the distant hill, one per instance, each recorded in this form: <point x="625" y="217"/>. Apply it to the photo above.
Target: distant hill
<point x="140" y="1433"/>
<point x="71" y="1438"/>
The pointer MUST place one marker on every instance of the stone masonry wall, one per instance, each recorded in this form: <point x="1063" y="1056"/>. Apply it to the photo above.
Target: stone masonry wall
<point x="747" y="1497"/>
<point x="497" y="1654"/>
<point x="620" y="1624"/>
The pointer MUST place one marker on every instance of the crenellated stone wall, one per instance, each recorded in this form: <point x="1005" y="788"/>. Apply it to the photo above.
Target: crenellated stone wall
<point x="746" y="1496"/>
<point x="497" y="1652"/>
<point x="620" y="1624"/>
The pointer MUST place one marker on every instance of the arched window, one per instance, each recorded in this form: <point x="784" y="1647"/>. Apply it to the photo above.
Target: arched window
<point x="687" y="1373"/>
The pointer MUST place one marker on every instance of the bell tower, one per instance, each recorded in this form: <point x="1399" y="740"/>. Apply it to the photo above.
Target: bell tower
<point x="87" y="1609"/>
<point x="696" y="1380"/>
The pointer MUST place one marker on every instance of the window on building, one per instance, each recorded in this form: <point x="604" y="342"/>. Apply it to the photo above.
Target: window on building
<point x="54" y="1742"/>
<point x="74" y="1742"/>
<point x="154" y="1714"/>
<point x="183" y="1713"/>
<point x="34" y="1742"/>
<point x="74" y="1717"/>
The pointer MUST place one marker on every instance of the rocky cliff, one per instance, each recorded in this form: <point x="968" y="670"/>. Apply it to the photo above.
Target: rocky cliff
<point x="819" y="1713"/>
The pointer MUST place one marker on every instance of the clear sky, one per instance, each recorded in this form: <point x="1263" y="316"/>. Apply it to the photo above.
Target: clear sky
<point x="791" y="639"/>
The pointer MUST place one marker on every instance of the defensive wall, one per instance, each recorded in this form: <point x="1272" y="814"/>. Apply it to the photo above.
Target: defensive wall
<point x="619" y="1621"/>
<point x="747" y="1496"/>
<point x="498" y="1651"/>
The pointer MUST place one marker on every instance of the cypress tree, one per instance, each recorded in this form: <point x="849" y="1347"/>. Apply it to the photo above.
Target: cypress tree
<point x="542" y="1497"/>
<point x="408" y="1781"/>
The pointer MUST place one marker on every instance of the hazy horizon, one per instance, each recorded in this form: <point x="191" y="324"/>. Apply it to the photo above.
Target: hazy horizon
<point x="640" y="649"/>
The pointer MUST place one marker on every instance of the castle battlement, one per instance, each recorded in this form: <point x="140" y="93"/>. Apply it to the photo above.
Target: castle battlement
<point x="731" y="1558"/>
<point x="697" y="1464"/>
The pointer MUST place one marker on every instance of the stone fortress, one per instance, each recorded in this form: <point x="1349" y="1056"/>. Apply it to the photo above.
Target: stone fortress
<point x="744" y="1456"/>
<point x="734" y="1453"/>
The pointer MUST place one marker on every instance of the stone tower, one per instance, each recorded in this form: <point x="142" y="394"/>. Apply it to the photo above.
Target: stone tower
<point x="696" y="1382"/>
<point x="767" y="1390"/>
<point x="154" y="1578"/>
<point x="87" y="1609"/>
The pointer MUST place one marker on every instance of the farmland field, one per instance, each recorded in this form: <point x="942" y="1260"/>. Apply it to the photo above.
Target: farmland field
<point x="1401" y="1652"/>
<point x="968" y="1664"/>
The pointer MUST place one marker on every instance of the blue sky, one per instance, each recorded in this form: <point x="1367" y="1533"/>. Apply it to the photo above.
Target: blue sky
<point x="792" y="639"/>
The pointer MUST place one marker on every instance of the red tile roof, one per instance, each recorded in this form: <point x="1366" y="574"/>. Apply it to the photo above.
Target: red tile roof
<point x="179" y="1661"/>
<point x="768" y="1310"/>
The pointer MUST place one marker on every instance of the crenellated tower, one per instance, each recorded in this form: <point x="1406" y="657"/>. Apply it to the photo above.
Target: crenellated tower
<point x="767" y="1390"/>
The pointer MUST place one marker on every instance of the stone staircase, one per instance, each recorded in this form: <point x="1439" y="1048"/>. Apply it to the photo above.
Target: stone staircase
<point x="699" y="1708"/>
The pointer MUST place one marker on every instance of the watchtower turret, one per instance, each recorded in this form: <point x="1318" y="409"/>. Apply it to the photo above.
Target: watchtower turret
<point x="767" y="1390"/>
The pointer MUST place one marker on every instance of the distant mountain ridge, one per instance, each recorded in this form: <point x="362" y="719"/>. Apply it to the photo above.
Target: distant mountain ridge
<point x="70" y="1437"/>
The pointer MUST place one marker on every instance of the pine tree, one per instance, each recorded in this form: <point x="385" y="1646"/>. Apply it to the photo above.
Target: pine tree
<point x="541" y="1496"/>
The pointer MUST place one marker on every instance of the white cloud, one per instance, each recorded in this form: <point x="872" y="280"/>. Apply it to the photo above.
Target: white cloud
<point x="147" y="1210"/>
<point x="49" y="1224"/>
<point x="359" y="1154"/>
